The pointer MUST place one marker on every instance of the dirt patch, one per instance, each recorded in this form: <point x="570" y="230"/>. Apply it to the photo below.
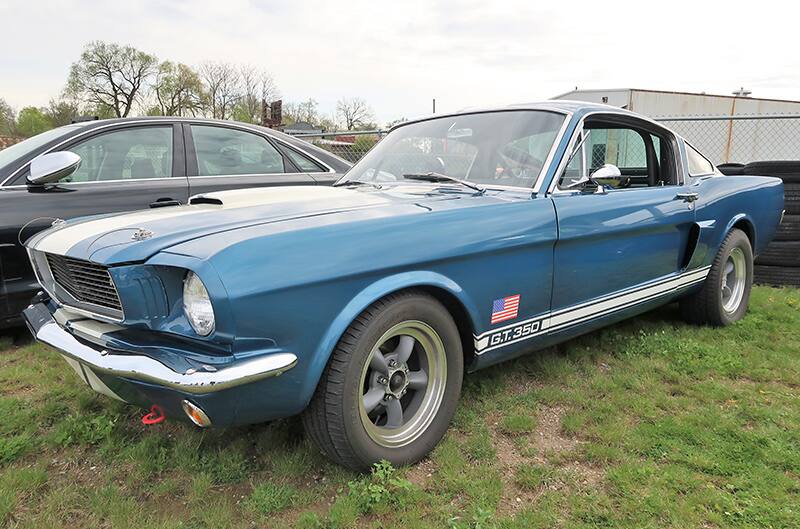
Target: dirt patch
<point x="546" y="442"/>
<point x="421" y="473"/>
<point x="548" y="436"/>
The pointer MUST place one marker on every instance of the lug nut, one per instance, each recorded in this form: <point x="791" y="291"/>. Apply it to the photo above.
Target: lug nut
<point x="382" y="380"/>
<point x="392" y="363"/>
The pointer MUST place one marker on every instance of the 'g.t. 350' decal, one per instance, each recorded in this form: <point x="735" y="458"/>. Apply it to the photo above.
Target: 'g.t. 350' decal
<point x="507" y="335"/>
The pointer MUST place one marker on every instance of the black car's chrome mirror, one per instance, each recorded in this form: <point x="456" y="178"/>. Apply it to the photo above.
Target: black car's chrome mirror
<point x="52" y="167"/>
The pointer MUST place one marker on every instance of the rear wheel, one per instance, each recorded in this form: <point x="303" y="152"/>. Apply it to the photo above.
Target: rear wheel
<point x="391" y="386"/>
<point x="725" y="293"/>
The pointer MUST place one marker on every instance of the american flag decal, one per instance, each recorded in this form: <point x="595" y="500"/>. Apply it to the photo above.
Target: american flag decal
<point x="505" y="309"/>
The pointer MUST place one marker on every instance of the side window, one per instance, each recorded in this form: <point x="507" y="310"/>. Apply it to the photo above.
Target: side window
<point x="636" y="153"/>
<point x="576" y="166"/>
<point x="223" y="151"/>
<point x="128" y="154"/>
<point x="624" y="148"/>
<point x="698" y="165"/>
<point x="303" y="163"/>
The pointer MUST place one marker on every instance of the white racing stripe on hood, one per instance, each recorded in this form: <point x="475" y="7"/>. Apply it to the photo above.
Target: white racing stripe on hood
<point x="61" y="240"/>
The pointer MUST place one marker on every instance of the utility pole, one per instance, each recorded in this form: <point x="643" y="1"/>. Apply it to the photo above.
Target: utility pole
<point x="434" y="105"/>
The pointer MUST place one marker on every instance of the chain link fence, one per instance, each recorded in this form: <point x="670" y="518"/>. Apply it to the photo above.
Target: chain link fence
<point x="724" y="139"/>
<point x="741" y="139"/>
<point x="350" y="145"/>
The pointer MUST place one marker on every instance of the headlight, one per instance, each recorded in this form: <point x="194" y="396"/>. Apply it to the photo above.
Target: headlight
<point x="197" y="305"/>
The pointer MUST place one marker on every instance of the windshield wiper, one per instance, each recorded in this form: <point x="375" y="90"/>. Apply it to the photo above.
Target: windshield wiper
<point x="357" y="183"/>
<point x="439" y="177"/>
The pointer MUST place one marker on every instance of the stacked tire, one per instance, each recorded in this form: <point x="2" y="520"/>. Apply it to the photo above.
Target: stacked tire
<point x="779" y="264"/>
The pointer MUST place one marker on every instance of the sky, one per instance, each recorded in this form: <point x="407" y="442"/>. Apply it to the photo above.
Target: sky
<point x="400" y="55"/>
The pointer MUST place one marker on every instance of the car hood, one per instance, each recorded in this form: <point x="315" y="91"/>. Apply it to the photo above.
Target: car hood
<point x="136" y="236"/>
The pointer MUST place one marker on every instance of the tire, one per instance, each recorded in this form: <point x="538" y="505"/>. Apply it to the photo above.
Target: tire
<point x="781" y="253"/>
<point x="791" y="197"/>
<point x="777" y="276"/>
<point x="337" y="420"/>
<point x="731" y="169"/>
<point x="708" y="305"/>
<point x="789" y="229"/>
<point x="788" y="170"/>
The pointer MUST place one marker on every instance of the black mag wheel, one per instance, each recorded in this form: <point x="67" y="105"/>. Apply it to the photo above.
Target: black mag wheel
<point x="391" y="386"/>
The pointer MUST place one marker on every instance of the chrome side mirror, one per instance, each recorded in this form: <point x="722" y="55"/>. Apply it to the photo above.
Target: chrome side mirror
<point x="52" y="167"/>
<point x="607" y="171"/>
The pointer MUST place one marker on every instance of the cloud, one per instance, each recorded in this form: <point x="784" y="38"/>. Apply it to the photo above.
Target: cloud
<point x="400" y="55"/>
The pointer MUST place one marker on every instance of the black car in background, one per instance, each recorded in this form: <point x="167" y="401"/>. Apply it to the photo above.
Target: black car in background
<point x="136" y="163"/>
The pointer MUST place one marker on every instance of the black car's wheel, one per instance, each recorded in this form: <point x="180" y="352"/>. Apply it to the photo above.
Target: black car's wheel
<point x="391" y="386"/>
<point x="726" y="291"/>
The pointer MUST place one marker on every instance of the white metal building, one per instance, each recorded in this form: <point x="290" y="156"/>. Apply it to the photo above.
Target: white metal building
<point x="722" y="140"/>
<point x="661" y="104"/>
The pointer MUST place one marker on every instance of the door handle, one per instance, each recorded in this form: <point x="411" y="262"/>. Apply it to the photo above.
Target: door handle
<point x="687" y="197"/>
<point x="165" y="202"/>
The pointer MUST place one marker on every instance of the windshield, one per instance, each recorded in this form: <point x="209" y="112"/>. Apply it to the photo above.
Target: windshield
<point x="20" y="150"/>
<point x="503" y="148"/>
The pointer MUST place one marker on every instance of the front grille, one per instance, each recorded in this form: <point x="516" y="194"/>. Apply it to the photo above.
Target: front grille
<point x="85" y="281"/>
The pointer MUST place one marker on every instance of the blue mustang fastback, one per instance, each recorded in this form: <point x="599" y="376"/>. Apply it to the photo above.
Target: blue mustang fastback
<point x="459" y="241"/>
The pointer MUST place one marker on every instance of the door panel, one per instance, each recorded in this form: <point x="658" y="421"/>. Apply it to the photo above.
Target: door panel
<point x="610" y="242"/>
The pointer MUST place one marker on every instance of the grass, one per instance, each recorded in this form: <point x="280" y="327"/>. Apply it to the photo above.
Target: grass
<point x="650" y="423"/>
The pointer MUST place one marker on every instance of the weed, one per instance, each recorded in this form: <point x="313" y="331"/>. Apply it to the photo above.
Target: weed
<point x="268" y="498"/>
<point x="381" y="487"/>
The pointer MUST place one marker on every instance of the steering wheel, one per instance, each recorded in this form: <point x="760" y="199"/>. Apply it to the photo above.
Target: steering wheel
<point x="522" y="160"/>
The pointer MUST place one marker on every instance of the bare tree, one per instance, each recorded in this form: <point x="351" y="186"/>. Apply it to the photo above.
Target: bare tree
<point x="305" y="111"/>
<point x="258" y="88"/>
<point x="110" y="77"/>
<point x="178" y="90"/>
<point x="353" y="112"/>
<point x="222" y="86"/>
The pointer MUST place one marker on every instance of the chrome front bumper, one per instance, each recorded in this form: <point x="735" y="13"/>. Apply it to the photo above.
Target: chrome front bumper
<point x="205" y="379"/>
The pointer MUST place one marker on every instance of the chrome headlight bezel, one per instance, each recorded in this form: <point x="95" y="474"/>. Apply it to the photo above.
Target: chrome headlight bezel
<point x="197" y="306"/>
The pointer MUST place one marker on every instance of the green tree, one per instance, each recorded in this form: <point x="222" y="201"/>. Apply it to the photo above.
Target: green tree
<point x="32" y="121"/>
<point x="61" y="112"/>
<point x="8" y="119"/>
<point x="178" y="91"/>
<point x="110" y="77"/>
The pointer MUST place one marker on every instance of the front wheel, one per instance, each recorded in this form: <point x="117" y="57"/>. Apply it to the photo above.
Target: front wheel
<point x="391" y="386"/>
<point x="726" y="290"/>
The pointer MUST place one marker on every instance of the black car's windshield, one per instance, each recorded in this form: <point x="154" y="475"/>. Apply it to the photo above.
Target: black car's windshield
<point x="19" y="150"/>
<point x="502" y="148"/>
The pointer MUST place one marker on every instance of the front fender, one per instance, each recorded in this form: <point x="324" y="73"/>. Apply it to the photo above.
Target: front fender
<point x="365" y="298"/>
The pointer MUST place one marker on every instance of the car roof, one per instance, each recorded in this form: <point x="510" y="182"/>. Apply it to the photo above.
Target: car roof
<point x="336" y="162"/>
<point x="562" y="106"/>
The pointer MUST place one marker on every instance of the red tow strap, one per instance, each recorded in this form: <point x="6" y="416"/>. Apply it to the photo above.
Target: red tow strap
<point x="155" y="416"/>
